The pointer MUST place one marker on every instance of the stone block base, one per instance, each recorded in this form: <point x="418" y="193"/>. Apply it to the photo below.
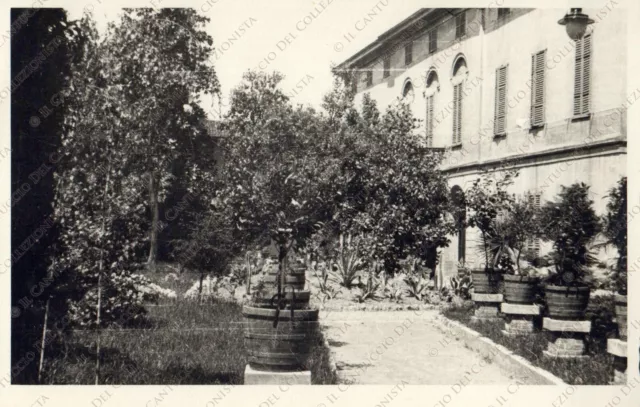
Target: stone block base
<point x="561" y="325"/>
<point x="254" y="376"/>
<point x="617" y="347"/>
<point x="519" y="325"/>
<point x="550" y="355"/>
<point x="566" y="345"/>
<point x="486" y="311"/>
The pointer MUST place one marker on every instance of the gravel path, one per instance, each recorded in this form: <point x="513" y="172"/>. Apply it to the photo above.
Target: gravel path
<point x="405" y="346"/>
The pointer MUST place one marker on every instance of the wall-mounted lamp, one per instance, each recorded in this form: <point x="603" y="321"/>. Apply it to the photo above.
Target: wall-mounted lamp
<point x="576" y="23"/>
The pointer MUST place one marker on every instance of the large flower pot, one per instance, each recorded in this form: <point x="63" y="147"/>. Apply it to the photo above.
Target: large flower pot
<point x="485" y="282"/>
<point x="520" y="289"/>
<point x="300" y="299"/>
<point x="566" y="302"/>
<point x="281" y="348"/>
<point x="295" y="278"/>
<point x="621" y="315"/>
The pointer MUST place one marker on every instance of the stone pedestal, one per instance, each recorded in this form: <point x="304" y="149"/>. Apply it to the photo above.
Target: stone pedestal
<point x="618" y="348"/>
<point x="254" y="376"/>
<point x="519" y="318"/>
<point x="566" y="338"/>
<point x="487" y="306"/>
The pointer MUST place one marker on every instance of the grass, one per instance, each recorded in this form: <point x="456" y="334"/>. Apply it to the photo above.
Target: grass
<point x="596" y="370"/>
<point x="183" y="343"/>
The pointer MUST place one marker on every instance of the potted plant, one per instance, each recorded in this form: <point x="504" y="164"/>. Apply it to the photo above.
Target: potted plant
<point x="520" y="286"/>
<point x="615" y="230"/>
<point x="486" y="199"/>
<point x="570" y="223"/>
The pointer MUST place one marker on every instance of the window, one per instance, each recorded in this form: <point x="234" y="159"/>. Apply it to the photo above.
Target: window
<point x="408" y="53"/>
<point x="533" y="245"/>
<point x="537" y="88"/>
<point x="457" y="114"/>
<point x="433" y="40"/>
<point x="582" y="77"/>
<point x="503" y="13"/>
<point x="429" y="121"/>
<point x="369" y="78"/>
<point x="460" y="25"/>
<point x="387" y="66"/>
<point x="499" y="114"/>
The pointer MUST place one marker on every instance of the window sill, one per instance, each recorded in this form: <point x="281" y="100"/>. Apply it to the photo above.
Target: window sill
<point x="536" y="127"/>
<point x="457" y="146"/>
<point x="500" y="136"/>
<point x="581" y="117"/>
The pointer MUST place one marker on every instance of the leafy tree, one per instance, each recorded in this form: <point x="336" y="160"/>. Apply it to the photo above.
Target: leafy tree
<point x="162" y="59"/>
<point x="36" y="121"/>
<point x="277" y="176"/>
<point x="571" y="224"/>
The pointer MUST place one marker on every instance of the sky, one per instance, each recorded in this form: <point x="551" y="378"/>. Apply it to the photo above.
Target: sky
<point x="299" y="38"/>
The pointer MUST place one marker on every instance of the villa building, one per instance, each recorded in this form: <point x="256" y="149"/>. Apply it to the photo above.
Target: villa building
<point x="508" y="88"/>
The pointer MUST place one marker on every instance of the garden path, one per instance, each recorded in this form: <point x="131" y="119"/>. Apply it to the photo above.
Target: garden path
<point x="391" y="347"/>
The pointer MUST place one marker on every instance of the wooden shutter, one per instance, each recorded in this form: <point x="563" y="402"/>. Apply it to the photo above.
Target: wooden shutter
<point x="533" y="245"/>
<point x="537" y="88"/>
<point x="387" y="66"/>
<point x="408" y="53"/>
<point x="500" y="111"/>
<point x="433" y="40"/>
<point x="460" y="25"/>
<point x="457" y="114"/>
<point x="369" y="78"/>
<point x="429" y="121"/>
<point x="582" y="76"/>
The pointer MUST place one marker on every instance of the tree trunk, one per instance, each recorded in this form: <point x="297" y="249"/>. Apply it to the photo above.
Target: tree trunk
<point x="155" y="218"/>
<point x="44" y="341"/>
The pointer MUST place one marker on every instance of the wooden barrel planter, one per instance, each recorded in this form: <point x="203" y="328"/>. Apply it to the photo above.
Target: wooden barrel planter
<point x="290" y="280"/>
<point x="621" y="315"/>
<point x="520" y="289"/>
<point x="301" y="299"/>
<point x="283" y="348"/>
<point x="485" y="282"/>
<point x="566" y="302"/>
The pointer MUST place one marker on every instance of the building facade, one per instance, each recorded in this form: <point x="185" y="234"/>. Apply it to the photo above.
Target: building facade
<point x="499" y="88"/>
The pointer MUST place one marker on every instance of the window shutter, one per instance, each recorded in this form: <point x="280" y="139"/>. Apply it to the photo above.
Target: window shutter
<point x="460" y="25"/>
<point x="457" y="114"/>
<point x="582" y="76"/>
<point x="408" y="53"/>
<point x="369" y="78"/>
<point x="429" y="121"/>
<point x="533" y="245"/>
<point x="387" y="66"/>
<point x="537" y="88"/>
<point x="433" y="40"/>
<point x="499" y="117"/>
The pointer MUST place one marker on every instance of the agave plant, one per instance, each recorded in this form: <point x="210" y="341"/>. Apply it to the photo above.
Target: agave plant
<point x="417" y="286"/>
<point x="370" y="289"/>
<point x="349" y="260"/>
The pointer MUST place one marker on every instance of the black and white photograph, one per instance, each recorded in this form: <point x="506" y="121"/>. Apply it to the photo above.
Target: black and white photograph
<point x="328" y="193"/>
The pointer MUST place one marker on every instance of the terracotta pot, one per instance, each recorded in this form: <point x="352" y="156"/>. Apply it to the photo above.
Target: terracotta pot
<point x="290" y="280"/>
<point x="486" y="282"/>
<point x="621" y="314"/>
<point x="566" y="302"/>
<point x="281" y="348"/>
<point x="520" y="289"/>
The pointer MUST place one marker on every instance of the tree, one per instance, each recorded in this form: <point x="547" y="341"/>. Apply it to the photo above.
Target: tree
<point x="163" y="64"/>
<point x="277" y="176"/>
<point x="36" y="121"/>
<point x="615" y="230"/>
<point x="570" y="223"/>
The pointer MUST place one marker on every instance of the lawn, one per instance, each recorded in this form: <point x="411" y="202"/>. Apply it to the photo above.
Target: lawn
<point x="596" y="370"/>
<point x="183" y="343"/>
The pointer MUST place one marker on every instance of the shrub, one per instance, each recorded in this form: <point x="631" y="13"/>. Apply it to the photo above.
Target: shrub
<point x="348" y="260"/>
<point x="570" y="223"/>
<point x="615" y="230"/>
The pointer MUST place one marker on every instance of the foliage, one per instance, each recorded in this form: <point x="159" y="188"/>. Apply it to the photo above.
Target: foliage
<point x="370" y="289"/>
<point x="615" y="229"/>
<point x="486" y="200"/>
<point x="389" y="188"/>
<point x="461" y="286"/>
<point x="348" y="260"/>
<point x="393" y="289"/>
<point x="571" y="224"/>
<point x="324" y="283"/>
<point x="417" y="286"/>
<point x="277" y="178"/>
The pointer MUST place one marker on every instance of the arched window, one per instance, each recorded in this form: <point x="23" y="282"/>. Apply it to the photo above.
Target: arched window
<point x="407" y="92"/>
<point x="432" y="86"/>
<point x="458" y="75"/>
<point x="460" y="216"/>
